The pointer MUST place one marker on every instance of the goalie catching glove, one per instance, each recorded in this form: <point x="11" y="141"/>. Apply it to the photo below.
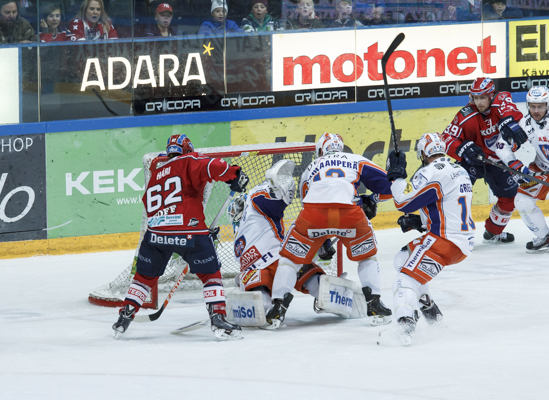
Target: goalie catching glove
<point x="411" y="221"/>
<point x="239" y="183"/>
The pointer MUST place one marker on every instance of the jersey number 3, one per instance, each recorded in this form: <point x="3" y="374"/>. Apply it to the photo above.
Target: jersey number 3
<point x="155" y="201"/>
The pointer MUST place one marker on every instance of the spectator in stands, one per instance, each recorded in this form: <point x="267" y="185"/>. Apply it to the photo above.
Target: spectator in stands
<point x="163" y="18"/>
<point x="13" y="27"/>
<point x="378" y="15"/>
<point x="345" y="15"/>
<point x="461" y="10"/>
<point x="219" y="22"/>
<point x="259" y="20"/>
<point x="51" y="28"/>
<point x="497" y="9"/>
<point x="92" y="22"/>
<point x="306" y="18"/>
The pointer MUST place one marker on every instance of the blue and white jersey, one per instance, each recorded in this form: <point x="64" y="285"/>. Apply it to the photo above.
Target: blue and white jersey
<point x="261" y="229"/>
<point x="443" y="193"/>
<point x="335" y="178"/>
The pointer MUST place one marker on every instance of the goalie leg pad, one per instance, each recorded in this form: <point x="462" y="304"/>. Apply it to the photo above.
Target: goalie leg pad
<point x="341" y="297"/>
<point x="246" y="308"/>
<point x="305" y="273"/>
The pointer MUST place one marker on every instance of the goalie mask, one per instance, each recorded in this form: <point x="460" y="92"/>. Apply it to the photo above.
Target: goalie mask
<point x="429" y="145"/>
<point x="280" y="179"/>
<point x="328" y="143"/>
<point x="236" y="209"/>
<point x="179" y="145"/>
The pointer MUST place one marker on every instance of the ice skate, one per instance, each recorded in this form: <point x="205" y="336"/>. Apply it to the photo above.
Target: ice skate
<point x="378" y="313"/>
<point x="429" y="309"/>
<point x="406" y="330"/>
<point x="276" y="314"/>
<point x="538" y="245"/>
<point x="503" y="237"/>
<point x="223" y="329"/>
<point x="126" y="316"/>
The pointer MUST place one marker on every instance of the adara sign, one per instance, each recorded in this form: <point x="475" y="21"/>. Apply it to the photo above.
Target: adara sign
<point x="336" y="59"/>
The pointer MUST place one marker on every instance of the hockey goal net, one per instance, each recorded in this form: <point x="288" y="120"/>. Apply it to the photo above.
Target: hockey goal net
<point x="254" y="160"/>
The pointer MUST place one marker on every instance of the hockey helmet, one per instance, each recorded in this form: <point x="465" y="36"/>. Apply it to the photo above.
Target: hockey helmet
<point x="429" y="145"/>
<point x="179" y="144"/>
<point x="483" y="86"/>
<point x="538" y="94"/>
<point x="280" y="178"/>
<point x="328" y="143"/>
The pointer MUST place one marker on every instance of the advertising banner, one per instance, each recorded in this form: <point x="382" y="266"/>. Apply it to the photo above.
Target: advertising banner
<point x="528" y="48"/>
<point x="95" y="178"/>
<point x="22" y="188"/>
<point x="320" y="60"/>
<point x="9" y="71"/>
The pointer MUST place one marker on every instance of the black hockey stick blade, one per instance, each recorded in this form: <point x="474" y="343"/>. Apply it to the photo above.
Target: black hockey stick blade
<point x="511" y="170"/>
<point x="396" y="42"/>
<point x="192" y="327"/>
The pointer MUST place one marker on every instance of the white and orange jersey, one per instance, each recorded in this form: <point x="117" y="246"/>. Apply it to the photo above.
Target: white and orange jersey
<point x="443" y="193"/>
<point x="335" y="178"/>
<point x="261" y="229"/>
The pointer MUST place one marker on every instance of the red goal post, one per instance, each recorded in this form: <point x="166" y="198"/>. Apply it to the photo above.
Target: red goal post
<point x="254" y="159"/>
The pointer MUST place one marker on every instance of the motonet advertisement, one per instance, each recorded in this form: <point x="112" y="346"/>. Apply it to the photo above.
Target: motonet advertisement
<point x="427" y="54"/>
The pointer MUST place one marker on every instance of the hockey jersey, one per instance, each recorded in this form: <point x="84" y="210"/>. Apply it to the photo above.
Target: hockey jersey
<point x="174" y="194"/>
<point x="443" y="193"/>
<point x="335" y="178"/>
<point x="83" y="31"/>
<point x="261" y="229"/>
<point x="469" y="124"/>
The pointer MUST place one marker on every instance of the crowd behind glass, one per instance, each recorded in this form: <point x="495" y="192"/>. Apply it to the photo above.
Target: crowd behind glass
<point x="26" y="21"/>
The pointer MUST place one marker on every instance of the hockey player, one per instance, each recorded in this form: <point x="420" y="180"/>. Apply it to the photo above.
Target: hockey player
<point x="173" y="202"/>
<point x="442" y="191"/>
<point x="529" y="192"/>
<point x="331" y="208"/>
<point x="259" y="231"/>
<point x="473" y="134"/>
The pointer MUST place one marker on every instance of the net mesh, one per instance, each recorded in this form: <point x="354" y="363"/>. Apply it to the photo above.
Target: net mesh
<point x="254" y="160"/>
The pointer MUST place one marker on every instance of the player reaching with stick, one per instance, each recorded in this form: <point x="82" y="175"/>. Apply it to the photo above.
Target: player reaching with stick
<point x="176" y="224"/>
<point x="331" y="208"/>
<point x="473" y="134"/>
<point x="442" y="191"/>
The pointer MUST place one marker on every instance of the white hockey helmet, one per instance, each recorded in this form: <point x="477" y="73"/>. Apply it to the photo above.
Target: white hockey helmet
<point x="328" y="143"/>
<point x="430" y="144"/>
<point x="538" y="94"/>
<point x="280" y="178"/>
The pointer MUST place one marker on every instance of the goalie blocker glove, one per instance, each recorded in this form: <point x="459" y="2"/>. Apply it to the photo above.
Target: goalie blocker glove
<point x="239" y="183"/>
<point x="369" y="206"/>
<point x="396" y="166"/>
<point x="470" y="152"/>
<point x="518" y="166"/>
<point x="511" y="132"/>
<point x="411" y="221"/>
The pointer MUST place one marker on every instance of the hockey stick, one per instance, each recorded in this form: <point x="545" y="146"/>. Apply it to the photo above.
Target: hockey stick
<point x="396" y="42"/>
<point x="513" y="171"/>
<point x="192" y="327"/>
<point x="156" y="315"/>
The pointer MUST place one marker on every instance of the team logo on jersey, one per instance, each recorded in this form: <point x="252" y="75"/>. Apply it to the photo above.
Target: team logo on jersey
<point x="465" y="111"/>
<point x="193" y="222"/>
<point x="165" y="220"/>
<point x="239" y="246"/>
<point x="346" y="233"/>
<point x="545" y="150"/>
<point x="419" y="181"/>
<point x="249" y="257"/>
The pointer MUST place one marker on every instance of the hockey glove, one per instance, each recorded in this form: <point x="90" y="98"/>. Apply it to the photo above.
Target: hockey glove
<point x="411" y="221"/>
<point x="511" y="132"/>
<point x="326" y="251"/>
<point x="518" y="166"/>
<point x="396" y="166"/>
<point x="214" y="232"/>
<point x="470" y="152"/>
<point x="369" y="205"/>
<point x="239" y="183"/>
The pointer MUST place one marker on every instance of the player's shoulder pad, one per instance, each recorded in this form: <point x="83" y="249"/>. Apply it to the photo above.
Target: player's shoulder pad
<point x="467" y="110"/>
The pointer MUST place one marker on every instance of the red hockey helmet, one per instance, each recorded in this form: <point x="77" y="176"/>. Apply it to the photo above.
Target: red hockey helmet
<point x="483" y="86"/>
<point x="179" y="144"/>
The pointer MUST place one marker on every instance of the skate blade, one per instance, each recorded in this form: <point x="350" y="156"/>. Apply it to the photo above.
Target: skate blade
<point x="191" y="327"/>
<point x="542" y="250"/>
<point x="394" y="338"/>
<point x="117" y="333"/>
<point x="496" y="243"/>
<point x="378" y="320"/>
<point x="222" y="334"/>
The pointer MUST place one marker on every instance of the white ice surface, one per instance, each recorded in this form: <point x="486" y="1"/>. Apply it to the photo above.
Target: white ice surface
<point x="55" y="345"/>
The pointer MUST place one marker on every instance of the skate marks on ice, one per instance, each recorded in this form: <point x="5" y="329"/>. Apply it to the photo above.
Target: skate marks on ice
<point x="395" y="335"/>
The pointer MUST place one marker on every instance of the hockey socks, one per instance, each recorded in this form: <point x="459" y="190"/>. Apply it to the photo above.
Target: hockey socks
<point x="213" y="292"/>
<point x="139" y="290"/>
<point x="499" y="216"/>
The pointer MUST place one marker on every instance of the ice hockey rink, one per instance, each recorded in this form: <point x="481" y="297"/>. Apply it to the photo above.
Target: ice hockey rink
<point x="493" y="343"/>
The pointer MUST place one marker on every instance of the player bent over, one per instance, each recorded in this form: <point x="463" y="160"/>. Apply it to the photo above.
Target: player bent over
<point x="442" y="191"/>
<point x="259" y="231"/>
<point x="529" y="192"/>
<point x="331" y="208"/>
<point x="473" y="134"/>
<point x="173" y="202"/>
